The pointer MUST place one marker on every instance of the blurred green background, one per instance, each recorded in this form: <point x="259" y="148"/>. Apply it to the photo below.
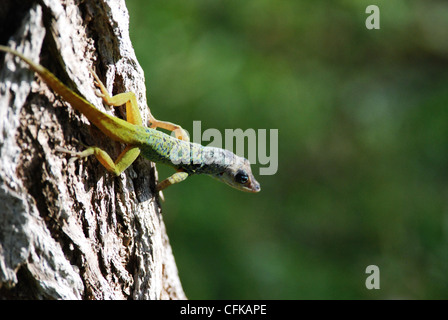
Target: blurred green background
<point x="363" y="143"/>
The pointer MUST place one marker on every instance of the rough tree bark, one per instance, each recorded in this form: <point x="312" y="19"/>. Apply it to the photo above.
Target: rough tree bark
<point x="73" y="230"/>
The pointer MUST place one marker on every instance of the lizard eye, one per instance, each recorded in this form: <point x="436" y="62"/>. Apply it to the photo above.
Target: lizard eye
<point x="241" y="177"/>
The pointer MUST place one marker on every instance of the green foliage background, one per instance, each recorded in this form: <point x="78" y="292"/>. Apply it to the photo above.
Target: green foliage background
<point x="363" y="143"/>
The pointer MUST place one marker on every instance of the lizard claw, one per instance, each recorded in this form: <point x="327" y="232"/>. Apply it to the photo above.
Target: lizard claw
<point x="97" y="82"/>
<point x="75" y="155"/>
<point x="97" y="92"/>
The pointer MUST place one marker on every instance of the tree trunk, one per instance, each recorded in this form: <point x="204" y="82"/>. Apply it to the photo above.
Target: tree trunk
<point x="72" y="230"/>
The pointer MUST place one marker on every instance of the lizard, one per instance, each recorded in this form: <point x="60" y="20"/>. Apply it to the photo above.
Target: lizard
<point x="186" y="157"/>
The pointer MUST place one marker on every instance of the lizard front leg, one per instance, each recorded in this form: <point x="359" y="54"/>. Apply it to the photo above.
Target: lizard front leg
<point x="179" y="176"/>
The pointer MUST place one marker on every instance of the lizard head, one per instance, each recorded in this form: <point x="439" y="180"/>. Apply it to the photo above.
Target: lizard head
<point x="239" y="176"/>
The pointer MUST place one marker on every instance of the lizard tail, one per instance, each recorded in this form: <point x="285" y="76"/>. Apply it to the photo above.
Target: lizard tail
<point x="108" y="124"/>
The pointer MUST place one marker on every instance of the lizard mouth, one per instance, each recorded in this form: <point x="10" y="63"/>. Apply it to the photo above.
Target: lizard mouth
<point x="254" y="187"/>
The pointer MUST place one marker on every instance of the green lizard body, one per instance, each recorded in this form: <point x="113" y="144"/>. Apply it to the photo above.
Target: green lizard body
<point x="187" y="157"/>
